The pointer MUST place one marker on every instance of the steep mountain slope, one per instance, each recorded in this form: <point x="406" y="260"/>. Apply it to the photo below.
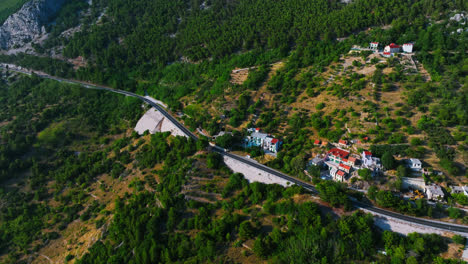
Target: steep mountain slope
<point x="28" y="23"/>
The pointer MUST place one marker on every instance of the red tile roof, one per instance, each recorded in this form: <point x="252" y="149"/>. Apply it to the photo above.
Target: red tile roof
<point x="274" y="141"/>
<point x="316" y="142"/>
<point x="394" y="46"/>
<point x="338" y="153"/>
<point x="341" y="173"/>
<point x="352" y="159"/>
<point x="367" y="153"/>
<point x="346" y="167"/>
<point x="374" y="42"/>
<point x="386" y="53"/>
<point x="408" y="44"/>
<point x="344" y="142"/>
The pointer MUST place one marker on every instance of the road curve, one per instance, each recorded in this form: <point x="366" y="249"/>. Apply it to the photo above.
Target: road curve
<point x="307" y="186"/>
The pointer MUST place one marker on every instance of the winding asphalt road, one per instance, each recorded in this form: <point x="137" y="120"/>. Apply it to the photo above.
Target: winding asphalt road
<point x="307" y="186"/>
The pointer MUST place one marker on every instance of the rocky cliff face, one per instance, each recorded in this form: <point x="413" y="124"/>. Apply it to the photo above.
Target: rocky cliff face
<point x="28" y="23"/>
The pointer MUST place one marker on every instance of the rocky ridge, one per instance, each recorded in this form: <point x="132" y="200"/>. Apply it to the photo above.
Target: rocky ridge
<point x="28" y="23"/>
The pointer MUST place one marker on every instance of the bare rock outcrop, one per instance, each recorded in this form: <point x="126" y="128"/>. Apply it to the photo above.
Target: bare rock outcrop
<point x="28" y="23"/>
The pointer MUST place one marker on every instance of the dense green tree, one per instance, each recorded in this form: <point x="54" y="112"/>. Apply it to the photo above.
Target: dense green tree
<point x="365" y="174"/>
<point x="246" y="230"/>
<point x="388" y="161"/>
<point x="214" y="160"/>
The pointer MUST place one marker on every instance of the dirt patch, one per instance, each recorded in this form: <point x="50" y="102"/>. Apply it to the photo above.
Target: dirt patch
<point x="78" y="62"/>
<point x="454" y="251"/>
<point x="238" y="76"/>
<point x="75" y="240"/>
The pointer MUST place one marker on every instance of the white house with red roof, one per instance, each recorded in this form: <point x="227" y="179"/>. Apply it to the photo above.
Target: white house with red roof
<point x="264" y="140"/>
<point x="392" y="48"/>
<point x="370" y="162"/>
<point x="340" y="176"/>
<point x="374" y="45"/>
<point x="337" y="174"/>
<point x="344" y="168"/>
<point x="337" y="155"/>
<point x="343" y="143"/>
<point x="272" y="144"/>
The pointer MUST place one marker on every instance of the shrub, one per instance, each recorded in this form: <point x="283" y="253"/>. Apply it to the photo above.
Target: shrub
<point x="320" y="106"/>
<point x="459" y="239"/>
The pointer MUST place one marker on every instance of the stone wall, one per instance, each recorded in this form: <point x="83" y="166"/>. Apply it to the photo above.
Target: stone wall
<point x="253" y="174"/>
<point x="154" y="121"/>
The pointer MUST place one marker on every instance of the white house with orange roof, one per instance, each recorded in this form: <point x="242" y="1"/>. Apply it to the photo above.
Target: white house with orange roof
<point x="344" y="168"/>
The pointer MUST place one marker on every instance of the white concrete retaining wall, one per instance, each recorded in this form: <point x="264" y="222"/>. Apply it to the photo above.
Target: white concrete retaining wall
<point x="404" y="227"/>
<point x="154" y="121"/>
<point x="253" y="174"/>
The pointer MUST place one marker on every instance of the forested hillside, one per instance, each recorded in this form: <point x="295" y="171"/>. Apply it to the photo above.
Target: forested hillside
<point x="138" y="39"/>
<point x="79" y="186"/>
<point x="183" y="52"/>
<point x="54" y="143"/>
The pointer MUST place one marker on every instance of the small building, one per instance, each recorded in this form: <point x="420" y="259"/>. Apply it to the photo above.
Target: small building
<point x="345" y="168"/>
<point x="337" y="174"/>
<point x="317" y="142"/>
<point x="272" y="144"/>
<point x="374" y="45"/>
<point x="340" y="176"/>
<point x="351" y="161"/>
<point x="317" y="161"/>
<point x="366" y="156"/>
<point x="392" y="48"/>
<point x="370" y="162"/>
<point x="337" y="155"/>
<point x="333" y="171"/>
<point x="407" y="47"/>
<point x="258" y="139"/>
<point x="460" y="189"/>
<point x="414" y="164"/>
<point x="343" y="142"/>
<point x="324" y="144"/>
<point x="434" y="192"/>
